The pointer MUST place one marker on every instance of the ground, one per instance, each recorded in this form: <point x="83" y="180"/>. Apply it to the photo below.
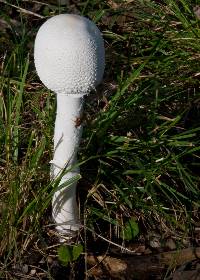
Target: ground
<point x="139" y="155"/>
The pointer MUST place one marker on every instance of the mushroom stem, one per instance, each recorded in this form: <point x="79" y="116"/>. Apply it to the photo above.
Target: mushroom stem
<point x="67" y="136"/>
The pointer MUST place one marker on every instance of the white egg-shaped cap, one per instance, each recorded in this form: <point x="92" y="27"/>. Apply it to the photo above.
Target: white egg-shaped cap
<point x="69" y="54"/>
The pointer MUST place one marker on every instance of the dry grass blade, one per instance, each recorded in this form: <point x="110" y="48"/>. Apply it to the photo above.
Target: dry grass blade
<point x="22" y="10"/>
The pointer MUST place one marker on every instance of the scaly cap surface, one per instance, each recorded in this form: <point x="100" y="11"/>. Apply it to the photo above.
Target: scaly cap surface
<point x="69" y="54"/>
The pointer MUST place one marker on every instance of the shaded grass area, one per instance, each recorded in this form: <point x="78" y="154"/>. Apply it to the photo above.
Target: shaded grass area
<point x="139" y="154"/>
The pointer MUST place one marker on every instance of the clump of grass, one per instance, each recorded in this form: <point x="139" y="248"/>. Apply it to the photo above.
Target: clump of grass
<point x="140" y="150"/>
<point x="146" y="152"/>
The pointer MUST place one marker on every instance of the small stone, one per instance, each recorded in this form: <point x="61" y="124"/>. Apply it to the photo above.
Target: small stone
<point x="25" y="268"/>
<point x="155" y="242"/>
<point x="33" y="271"/>
<point x="42" y="261"/>
<point x="186" y="242"/>
<point x="170" y="244"/>
<point x="49" y="260"/>
<point x="196" y="10"/>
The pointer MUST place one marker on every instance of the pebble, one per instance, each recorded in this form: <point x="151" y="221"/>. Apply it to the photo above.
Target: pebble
<point x="155" y="242"/>
<point x="49" y="260"/>
<point x="170" y="244"/>
<point x="25" y="268"/>
<point x="33" y="271"/>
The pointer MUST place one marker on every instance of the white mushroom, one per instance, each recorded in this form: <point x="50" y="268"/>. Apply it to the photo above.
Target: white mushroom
<point x="69" y="59"/>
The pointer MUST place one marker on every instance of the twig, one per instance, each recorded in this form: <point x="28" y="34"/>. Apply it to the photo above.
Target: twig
<point x="36" y="2"/>
<point x="124" y="249"/>
<point x="22" y="9"/>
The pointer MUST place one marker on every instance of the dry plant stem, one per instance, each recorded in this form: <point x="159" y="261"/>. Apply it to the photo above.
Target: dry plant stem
<point x="25" y="11"/>
<point x="67" y="136"/>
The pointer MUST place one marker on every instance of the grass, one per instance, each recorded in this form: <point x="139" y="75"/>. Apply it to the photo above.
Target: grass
<point x="139" y="154"/>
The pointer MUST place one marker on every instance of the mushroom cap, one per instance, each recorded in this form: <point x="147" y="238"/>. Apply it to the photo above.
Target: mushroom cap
<point x="69" y="54"/>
